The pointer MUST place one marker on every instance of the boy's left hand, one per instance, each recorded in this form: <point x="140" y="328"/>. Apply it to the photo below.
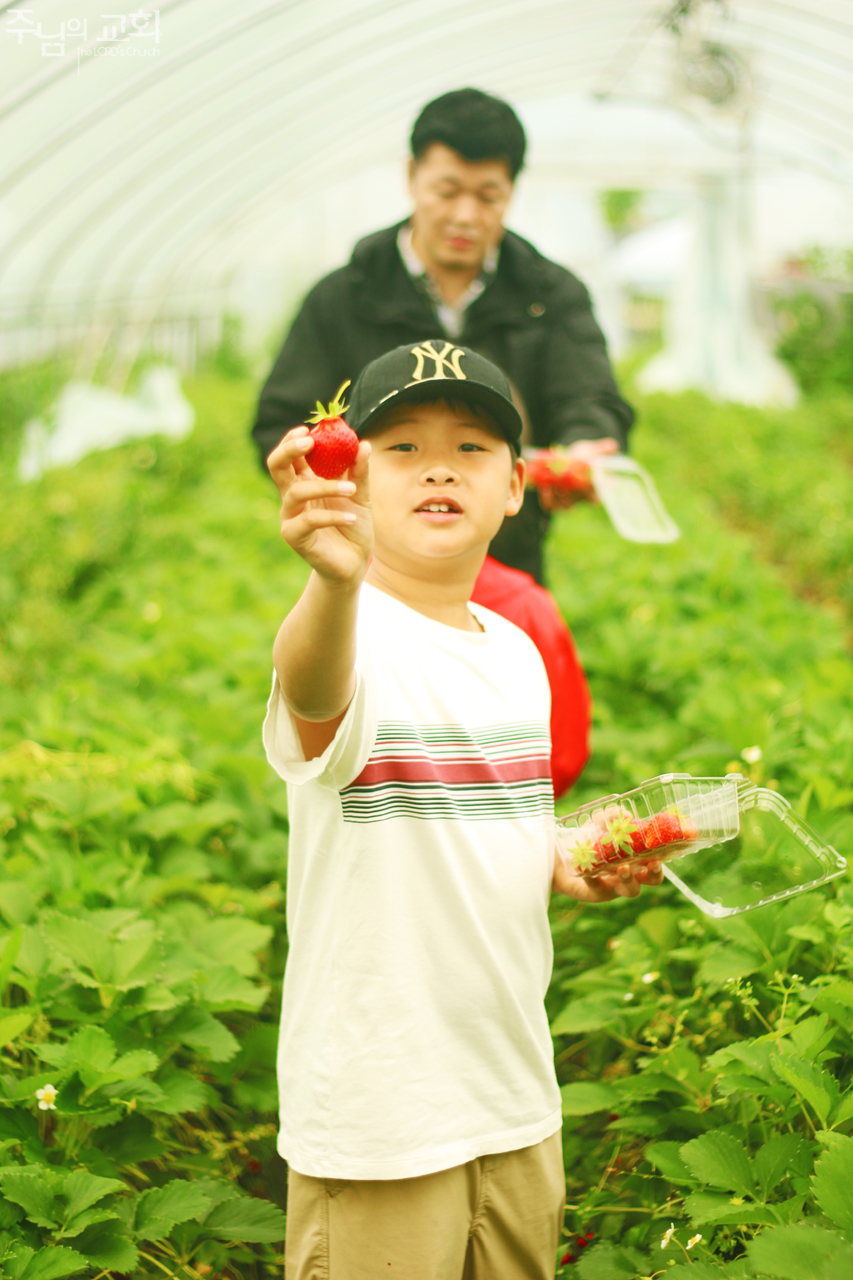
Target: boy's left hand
<point x="624" y="883"/>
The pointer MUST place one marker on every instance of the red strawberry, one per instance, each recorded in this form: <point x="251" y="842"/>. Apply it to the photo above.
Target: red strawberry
<point x="625" y="839"/>
<point x="335" y="444"/>
<point x="668" y="828"/>
<point x="554" y="469"/>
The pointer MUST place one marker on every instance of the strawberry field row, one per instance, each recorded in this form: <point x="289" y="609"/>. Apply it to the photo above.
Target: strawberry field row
<point x="707" y="1065"/>
<point x="706" y="1069"/>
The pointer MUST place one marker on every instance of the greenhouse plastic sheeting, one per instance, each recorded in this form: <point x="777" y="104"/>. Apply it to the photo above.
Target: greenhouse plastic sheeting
<point x="148" y="153"/>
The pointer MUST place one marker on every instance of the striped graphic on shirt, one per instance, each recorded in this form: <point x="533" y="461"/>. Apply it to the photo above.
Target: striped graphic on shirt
<point x="446" y="771"/>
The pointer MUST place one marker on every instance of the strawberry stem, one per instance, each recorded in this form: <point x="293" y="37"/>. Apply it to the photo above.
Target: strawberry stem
<point x="335" y="409"/>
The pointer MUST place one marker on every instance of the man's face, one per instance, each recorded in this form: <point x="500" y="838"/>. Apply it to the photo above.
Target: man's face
<point x="459" y="207"/>
<point x="441" y="482"/>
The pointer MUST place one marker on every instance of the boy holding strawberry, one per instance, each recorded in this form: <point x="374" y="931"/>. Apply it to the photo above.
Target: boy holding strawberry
<point x="420" y="1113"/>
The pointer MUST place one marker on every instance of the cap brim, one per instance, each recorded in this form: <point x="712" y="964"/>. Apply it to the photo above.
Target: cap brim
<point x="477" y="394"/>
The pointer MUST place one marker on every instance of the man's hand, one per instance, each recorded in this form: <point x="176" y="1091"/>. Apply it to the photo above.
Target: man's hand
<point x="582" y="451"/>
<point x="624" y="883"/>
<point x="327" y="522"/>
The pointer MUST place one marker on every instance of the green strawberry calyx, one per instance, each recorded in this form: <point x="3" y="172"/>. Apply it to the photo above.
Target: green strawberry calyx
<point x="335" y="409"/>
<point x="584" y="856"/>
<point x="620" y="830"/>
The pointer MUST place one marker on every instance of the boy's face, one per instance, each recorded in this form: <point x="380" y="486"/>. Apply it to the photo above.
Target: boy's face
<point x="441" y="481"/>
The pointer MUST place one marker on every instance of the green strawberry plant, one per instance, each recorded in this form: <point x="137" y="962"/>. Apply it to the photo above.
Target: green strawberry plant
<point x="706" y="1067"/>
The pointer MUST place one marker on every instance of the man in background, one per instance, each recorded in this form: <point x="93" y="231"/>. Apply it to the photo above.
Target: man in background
<point x="452" y="269"/>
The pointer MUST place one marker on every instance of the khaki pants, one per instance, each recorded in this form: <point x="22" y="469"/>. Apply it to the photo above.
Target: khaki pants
<point x="494" y="1218"/>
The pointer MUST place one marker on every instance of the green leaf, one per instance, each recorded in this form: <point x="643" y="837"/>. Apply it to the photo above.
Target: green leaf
<point x="610" y="1262"/>
<point x="773" y="1159"/>
<point x="32" y="1192"/>
<point x="136" y="962"/>
<point x="86" y="945"/>
<point x="719" y="1160"/>
<point x="807" y="933"/>
<point x="844" y="1110"/>
<point x="583" y="1098"/>
<point x="245" y="1219"/>
<point x="660" y="925"/>
<point x="8" y="956"/>
<point x="136" y="1063"/>
<point x="666" y="1158"/>
<point x="141" y="1089"/>
<point x="702" y="1271"/>
<point x="182" y="1093"/>
<point x="756" y="1056"/>
<point x="108" y="1247"/>
<point x="160" y="1209"/>
<point x="225" y="988"/>
<point x="191" y="821"/>
<point x="53" y="1262"/>
<point x="12" y="1024"/>
<point x="706" y="1208"/>
<point x="199" y="1029"/>
<point x="17" y="1259"/>
<point x="217" y="1190"/>
<point x="17" y="905"/>
<point x="811" y="1036"/>
<point x="92" y="1048"/>
<point x="832" y="1183"/>
<point x="83" y="1189"/>
<point x="589" y="1013"/>
<point x="798" y="1252"/>
<point x="811" y="1082"/>
<point x="728" y="962"/>
<point x="233" y="940"/>
<point x="790" y="1210"/>
<point x="85" y="1219"/>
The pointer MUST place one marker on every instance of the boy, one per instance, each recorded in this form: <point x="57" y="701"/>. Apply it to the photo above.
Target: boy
<point x="420" y="1113"/>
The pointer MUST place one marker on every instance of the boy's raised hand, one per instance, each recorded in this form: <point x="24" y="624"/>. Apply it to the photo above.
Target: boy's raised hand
<point x="327" y="522"/>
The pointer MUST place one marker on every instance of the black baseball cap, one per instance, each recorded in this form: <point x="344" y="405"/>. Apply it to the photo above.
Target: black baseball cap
<point x="434" y="370"/>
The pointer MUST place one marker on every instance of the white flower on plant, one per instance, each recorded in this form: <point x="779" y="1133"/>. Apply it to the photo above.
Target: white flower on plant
<point x="667" y="1236"/>
<point x="629" y="995"/>
<point x="693" y="1240"/>
<point x="751" y="755"/>
<point x="649" y="977"/>
<point x="47" y="1098"/>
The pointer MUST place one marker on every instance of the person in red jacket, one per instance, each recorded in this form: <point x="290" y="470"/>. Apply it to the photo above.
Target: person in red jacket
<point x="515" y="596"/>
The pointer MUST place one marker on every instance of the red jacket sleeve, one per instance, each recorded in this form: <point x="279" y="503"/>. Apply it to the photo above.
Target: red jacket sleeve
<point x="516" y="597"/>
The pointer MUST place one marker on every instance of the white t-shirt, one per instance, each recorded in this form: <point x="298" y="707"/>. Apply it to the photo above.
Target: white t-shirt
<point x="413" y="1030"/>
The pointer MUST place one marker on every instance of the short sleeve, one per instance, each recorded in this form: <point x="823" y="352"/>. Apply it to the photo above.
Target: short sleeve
<point x="345" y="756"/>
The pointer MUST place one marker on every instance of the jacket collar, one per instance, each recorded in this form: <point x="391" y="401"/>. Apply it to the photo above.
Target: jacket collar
<point x="385" y="291"/>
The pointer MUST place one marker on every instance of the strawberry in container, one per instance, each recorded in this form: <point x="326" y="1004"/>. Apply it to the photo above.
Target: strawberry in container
<point x="614" y="836"/>
<point x="689" y="823"/>
<point x="557" y="469"/>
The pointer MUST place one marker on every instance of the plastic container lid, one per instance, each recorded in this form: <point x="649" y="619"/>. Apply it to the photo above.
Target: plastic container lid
<point x="728" y="845"/>
<point x="628" y="495"/>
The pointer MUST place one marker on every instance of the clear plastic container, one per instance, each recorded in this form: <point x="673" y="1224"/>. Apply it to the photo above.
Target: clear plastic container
<point x="728" y="845"/>
<point x="628" y="495"/>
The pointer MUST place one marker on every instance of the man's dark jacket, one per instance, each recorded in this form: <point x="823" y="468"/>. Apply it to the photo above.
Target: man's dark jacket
<point x="534" y="320"/>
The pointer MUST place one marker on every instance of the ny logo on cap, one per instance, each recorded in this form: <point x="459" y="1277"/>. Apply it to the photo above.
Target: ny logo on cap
<point x="446" y="359"/>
